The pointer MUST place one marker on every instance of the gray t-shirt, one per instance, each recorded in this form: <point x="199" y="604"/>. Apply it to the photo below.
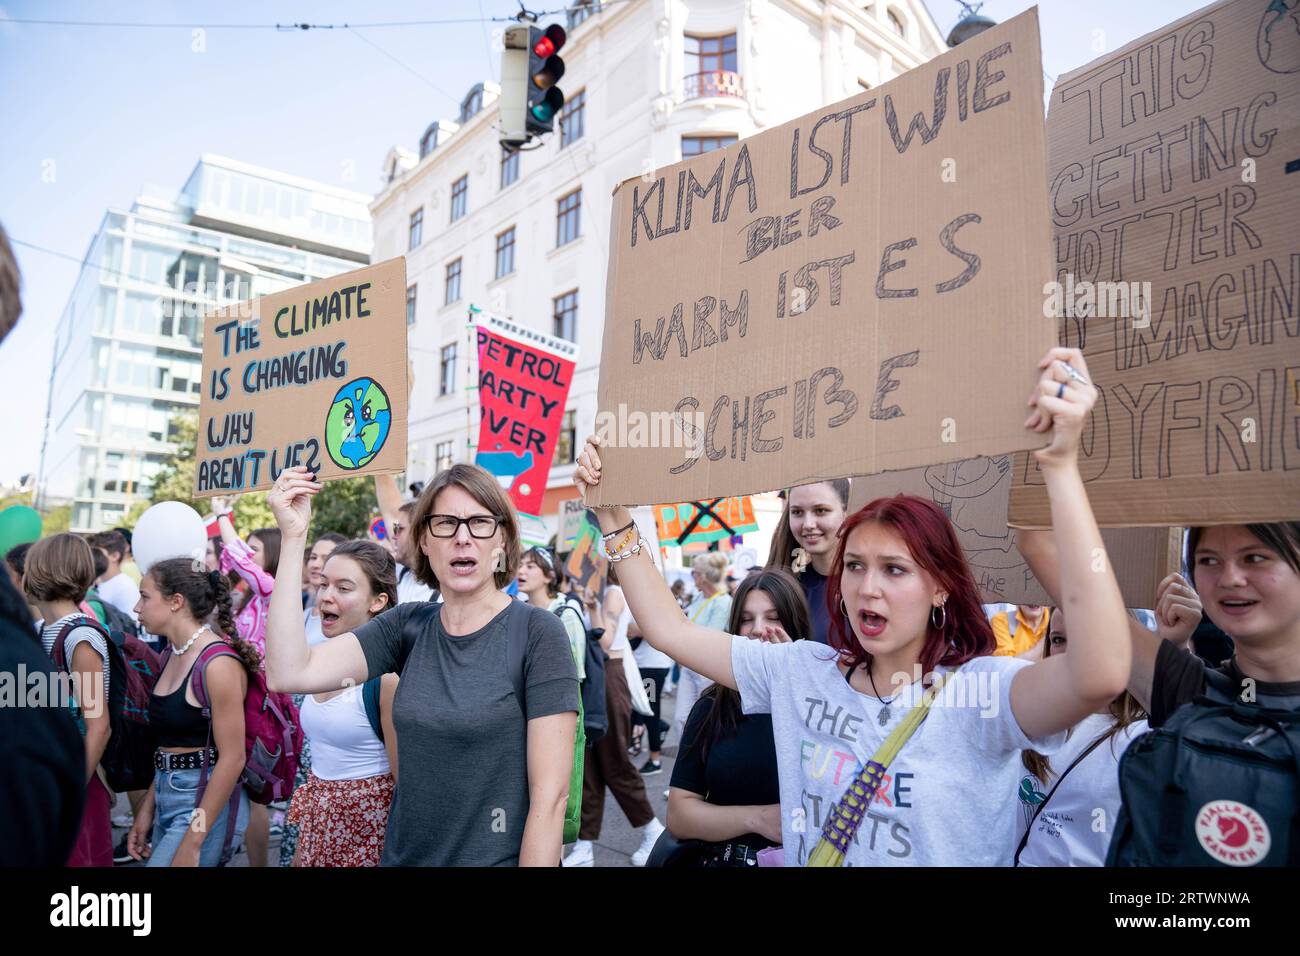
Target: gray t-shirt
<point x="462" y="793"/>
<point x="949" y="797"/>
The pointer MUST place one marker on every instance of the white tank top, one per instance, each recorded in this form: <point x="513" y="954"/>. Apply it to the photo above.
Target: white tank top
<point x="621" y="645"/>
<point x="343" y="745"/>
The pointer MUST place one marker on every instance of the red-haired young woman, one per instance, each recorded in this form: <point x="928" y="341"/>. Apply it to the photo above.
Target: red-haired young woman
<point x="911" y="617"/>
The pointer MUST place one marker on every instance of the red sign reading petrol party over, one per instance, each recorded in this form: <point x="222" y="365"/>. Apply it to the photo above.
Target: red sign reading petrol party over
<point x="523" y="383"/>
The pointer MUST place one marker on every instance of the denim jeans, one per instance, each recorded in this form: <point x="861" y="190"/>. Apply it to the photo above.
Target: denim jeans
<point x="175" y="792"/>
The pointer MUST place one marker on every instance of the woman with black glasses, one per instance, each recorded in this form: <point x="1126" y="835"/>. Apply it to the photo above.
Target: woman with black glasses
<point x="486" y="710"/>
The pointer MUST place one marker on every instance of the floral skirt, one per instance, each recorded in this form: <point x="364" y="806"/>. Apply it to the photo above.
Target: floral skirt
<point x="341" y="822"/>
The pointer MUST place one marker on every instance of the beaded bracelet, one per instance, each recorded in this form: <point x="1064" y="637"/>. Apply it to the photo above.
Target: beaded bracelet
<point x="624" y="541"/>
<point x="615" y="557"/>
<point x="617" y="532"/>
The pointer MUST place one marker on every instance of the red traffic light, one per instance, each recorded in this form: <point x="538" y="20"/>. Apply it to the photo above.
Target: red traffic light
<point x="551" y="40"/>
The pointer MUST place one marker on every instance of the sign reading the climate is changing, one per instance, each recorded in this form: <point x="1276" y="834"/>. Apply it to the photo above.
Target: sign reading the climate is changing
<point x="315" y="375"/>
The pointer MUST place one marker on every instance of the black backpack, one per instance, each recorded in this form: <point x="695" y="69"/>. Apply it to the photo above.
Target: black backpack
<point x="595" y="719"/>
<point x="1217" y="785"/>
<point x="133" y="670"/>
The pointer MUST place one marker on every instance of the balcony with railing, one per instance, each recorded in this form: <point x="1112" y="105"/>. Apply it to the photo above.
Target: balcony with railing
<point x="724" y="83"/>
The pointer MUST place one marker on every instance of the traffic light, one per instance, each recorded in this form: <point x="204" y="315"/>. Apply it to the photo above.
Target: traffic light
<point x="530" y="69"/>
<point x="545" y="69"/>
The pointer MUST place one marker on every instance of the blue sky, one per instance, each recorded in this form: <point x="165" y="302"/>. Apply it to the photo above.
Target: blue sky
<point x="114" y="109"/>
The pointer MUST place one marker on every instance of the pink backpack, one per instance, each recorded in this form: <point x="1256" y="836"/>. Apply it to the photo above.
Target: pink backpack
<point x="272" y="737"/>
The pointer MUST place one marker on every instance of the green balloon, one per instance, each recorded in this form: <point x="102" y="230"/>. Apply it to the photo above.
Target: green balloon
<point x="19" y="524"/>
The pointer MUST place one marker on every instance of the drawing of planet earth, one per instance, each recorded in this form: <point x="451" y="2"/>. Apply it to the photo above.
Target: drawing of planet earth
<point x="1278" y="40"/>
<point x="357" y="424"/>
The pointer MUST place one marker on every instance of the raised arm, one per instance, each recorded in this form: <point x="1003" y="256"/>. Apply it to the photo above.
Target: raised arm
<point x="1178" y="611"/>
<point x="389" y="497"/>
<point x="703" y="650"/>
<point x="1058" y="692"/>
<point x="236" y="555"/>
<point x="222" y="507"/>
<point x="291" y="665"/>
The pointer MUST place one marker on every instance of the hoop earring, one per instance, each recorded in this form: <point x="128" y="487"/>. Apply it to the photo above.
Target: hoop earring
<point x="943" y="620"/>
<point x="843" y="609"/>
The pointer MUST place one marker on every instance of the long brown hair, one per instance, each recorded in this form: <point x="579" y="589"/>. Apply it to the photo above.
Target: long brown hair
<point x="781" y="553"/>
<point x="787" y="596"/>
<point x="1124" y="709"/>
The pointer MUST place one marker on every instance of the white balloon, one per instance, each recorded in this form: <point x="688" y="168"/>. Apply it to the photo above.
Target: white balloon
<point x="168" y="530"/>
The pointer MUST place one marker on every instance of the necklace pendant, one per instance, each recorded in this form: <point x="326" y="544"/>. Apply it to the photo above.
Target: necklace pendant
<point x="884" y="715"/>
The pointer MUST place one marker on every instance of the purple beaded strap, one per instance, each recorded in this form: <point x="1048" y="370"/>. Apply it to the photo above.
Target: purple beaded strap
<point x="846" y="815"/>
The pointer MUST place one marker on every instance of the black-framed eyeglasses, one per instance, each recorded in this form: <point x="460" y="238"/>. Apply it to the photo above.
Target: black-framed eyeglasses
<point x="447" y="526"/>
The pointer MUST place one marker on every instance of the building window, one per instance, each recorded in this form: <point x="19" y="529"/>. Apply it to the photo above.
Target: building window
<point x="897" y="23"/>
<point x="711" y="66"/>
<point x="695" y="145"/>
<point x="447" y="370"/>
<point x="573" y="120"/>
<point x="410" y="305"/>
<point x="568" y="218"/>
<point x="565" y="312"/>
<point x="427" y="142"/>
<point x="452" y="293"/>
<point x="509" y="167"/>
<point x="459" y="197"/>
<point x="567" y="444"/>
<point x="506" y="253"/>
<point x="443" y="457"/>
<point x="581" y="11"/>
<point x="473" y="102"/>
<point x="417" y="228"/>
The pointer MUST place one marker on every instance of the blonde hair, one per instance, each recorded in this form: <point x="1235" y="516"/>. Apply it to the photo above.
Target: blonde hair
<point x="712" y="564"/>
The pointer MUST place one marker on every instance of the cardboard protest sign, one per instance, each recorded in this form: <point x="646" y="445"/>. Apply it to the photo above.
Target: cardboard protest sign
<point x="314" y="375"/>
<point x="1174" y="197"/>
<point x="974" y="495"/>
<point x="523" y="383"/>
<point x="854" y="291"/>
<point x="587" y="564"/>
<point x="695" y="521"/>
<point x="572" y="514"/>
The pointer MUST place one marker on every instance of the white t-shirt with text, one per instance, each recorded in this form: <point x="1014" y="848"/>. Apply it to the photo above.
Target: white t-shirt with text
<point x="948" y="797"/>
<point x="1075" y="827"/>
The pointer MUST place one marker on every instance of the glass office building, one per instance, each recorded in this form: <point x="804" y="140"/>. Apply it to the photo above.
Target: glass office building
<point x="128" y="347"/>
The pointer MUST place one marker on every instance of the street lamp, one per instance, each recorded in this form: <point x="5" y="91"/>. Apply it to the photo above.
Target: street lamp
<point x="971" y="24"/>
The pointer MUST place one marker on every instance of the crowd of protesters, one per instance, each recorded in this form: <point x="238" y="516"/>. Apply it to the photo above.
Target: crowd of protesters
<point x="448" y="697"/>
<point x="790" y="678"/>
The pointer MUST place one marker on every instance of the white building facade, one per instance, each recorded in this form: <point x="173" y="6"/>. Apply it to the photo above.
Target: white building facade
<point x="129" y="344"/>
<point x="647" y="82"/>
